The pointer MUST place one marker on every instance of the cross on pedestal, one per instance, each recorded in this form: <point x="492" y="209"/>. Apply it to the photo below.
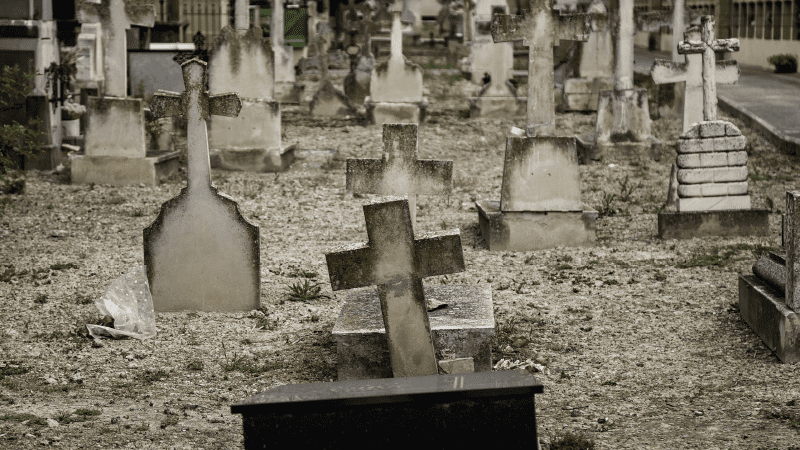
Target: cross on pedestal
<point x="540" y="30"/>
<point x="706" y="47"/>
<point x="399" y="172"/>
<point x="322" y="57"/>
<point x="195" y="105"/>
<point x="396" y="262"/>
<point x="396" y="39"/>
<point x="691" y="72"/>
<point x="116" y="16"/>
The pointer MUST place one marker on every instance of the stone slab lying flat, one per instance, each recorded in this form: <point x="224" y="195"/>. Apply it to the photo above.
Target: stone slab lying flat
<point x="687" y="225"/>
<point x="721" y="203"/>
<point x="465" y="327"/>
<point x="120" y="171"/>
<point x="385" y="112"/>
<point x="498" y="107"/>
<point x="527" y="231"/>
<point x="442" y="410"/>
<point x="253" y="160"/>
<point x="764" y="310"/>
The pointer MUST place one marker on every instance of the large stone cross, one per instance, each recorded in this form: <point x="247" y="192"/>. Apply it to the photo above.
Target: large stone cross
<point x="195" y="105"/>
<point x="707" y="46"/>
<point x="396" y="262"/>
<point x="116" y="16"/>
<point x="540" y="30"/>
<point x="691" y="72"/>
<point x="399" y="172"/>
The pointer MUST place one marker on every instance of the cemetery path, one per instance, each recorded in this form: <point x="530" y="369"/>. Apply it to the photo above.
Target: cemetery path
<point x="641" y="341"/>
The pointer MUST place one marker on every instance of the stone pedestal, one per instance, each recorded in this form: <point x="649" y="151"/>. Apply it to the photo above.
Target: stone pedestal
<point x="690" y="224"/>
<point x="582" y="94"/>
<point x="380" y="113"/>
<point x="523" y="231"/>
<point x="766" y="312"/>
<point x="590" y="151"/>
<point x="120" y="171"/>
<point x="465" y="327"/>
<point x="498" y="107"/>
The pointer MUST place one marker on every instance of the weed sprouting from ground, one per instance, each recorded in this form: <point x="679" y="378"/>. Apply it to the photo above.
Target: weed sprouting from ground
<point x="306" y="291"/>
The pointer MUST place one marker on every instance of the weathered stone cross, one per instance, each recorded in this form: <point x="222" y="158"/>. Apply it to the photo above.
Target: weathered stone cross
<point x="116" y="16"/>
<point x="399" y="172"/>
<point x="195" y="105"/>
<point x="691" y="72"/>
<point x="540" y="30"/>
<point x="396" y="262"/>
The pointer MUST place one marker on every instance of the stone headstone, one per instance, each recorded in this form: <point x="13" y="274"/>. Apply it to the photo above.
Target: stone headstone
<point x="90" y="62"/>
<point x="395" y="411"/>
<point x="399" y="172"/>
<point x="328" y="101"/>
<point x="396" y="262"/>
<point x="482" y="49"/>
<point x="595" y="70"/>
<point x="498" y="98"/>
<point x="200" y="253"/>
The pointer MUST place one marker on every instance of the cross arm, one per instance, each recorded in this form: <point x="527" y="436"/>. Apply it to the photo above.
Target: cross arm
<point x="227" y="105"/>
<point x="574" y="27"/>
<point x="166" y="104"/>
<point x="652" y="21"/>
<point x="666" y="71"/>
<point x="362" y="176"/>
<point x="719" y="45"/>
<point x="141" y="15"/>
<point x="350" y="267"/>
<point x="434" y="177"/>
<point x="438" y="253"/>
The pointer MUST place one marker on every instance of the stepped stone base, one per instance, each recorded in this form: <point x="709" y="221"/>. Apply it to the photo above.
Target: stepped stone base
<point x="766" y="313"/>
<point x="589" y="150"/>
<point x="121" y="171"/>
<point x="498" y="107"/>
<point x="690" y="224"/>
<point x="465" y="327"/>
<point x="385" y="112"/>
<point x="253" y="160"/>
<point x="522" y="231"/>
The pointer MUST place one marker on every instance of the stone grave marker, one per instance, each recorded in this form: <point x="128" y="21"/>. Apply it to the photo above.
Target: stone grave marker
<point x="498" y="98"/>
<point x="115" y="146"/>
<point x="356" y="83"/>
<point x="287" y="90"/>
<point x="396" y="86"/>
<point x="396" y="261"/>
<point x="395" y="411"/>
<point x="596" y="64"/>
<point x="328" y="101"/>
<point x="242" y="61"/>
<point x="482" y="49"/>
<point x="540" y="205"/>
<point x="770" y="298"/>
<point x="399" y="172"/>
<point x="713" y="195"/>
<point x="90" y="62"/>
<point x="200" y="253"/>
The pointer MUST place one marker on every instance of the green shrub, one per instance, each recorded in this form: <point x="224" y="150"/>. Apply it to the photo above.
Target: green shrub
<point x="16" y="140"/>
<point x="784" y="63"/>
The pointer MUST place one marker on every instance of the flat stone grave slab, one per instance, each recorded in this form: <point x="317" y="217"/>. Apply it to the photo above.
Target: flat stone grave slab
<point x="442" y="410"/>
<point x="465" y="326"/>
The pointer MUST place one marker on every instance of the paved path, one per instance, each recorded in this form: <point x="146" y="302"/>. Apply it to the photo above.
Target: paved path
<point x="765" y="100"/>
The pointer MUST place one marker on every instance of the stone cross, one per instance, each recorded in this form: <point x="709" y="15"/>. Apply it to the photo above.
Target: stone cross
<point x="623" y="67"/>
<point x="399" y="172"/>
<point x="241" y="20"/>
<point x="116" y="16"/>
<point x="396" y="262"/>
<point x="396" y="50"/>
<point x="792" y="247"/>
<point x="195" y="105"/>
<point x="540" y="30"/>
<point x="691" y="72"/>
<point x="707" y="46"/>
<point x="276" y="25"/>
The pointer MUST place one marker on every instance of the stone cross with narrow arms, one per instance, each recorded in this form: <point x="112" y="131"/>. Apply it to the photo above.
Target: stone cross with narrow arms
<point x="396" y="262"/>
<point x="116" y="16"/>
<point x="399" y="172"/>
<point x="707" y="46"/>
<point x="195" y="105"/>
<point x="691" y="72"/>
<point x="540" y="30"/>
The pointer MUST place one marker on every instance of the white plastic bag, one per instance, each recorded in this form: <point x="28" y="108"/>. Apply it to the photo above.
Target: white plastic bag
<point x="129" y="302"/>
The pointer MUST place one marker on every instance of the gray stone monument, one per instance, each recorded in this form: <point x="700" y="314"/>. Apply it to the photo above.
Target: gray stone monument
<point x="484" y="54"/>
<point x="712" y="162"/>
<point x="396" y="261"/>
<point x="595" y="71"/>
<point x="242" y="61"/>
<point x="540" y="205"/>
<point x="115" y="145"/>
<point x="328" y="101"/>
<point x="200" y="253"/>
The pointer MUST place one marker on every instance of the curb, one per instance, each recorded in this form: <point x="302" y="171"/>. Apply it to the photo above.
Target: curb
<point x="784" y="143"/>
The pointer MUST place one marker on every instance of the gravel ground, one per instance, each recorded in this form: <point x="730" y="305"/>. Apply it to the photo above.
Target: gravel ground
<point x="640" y="339"/>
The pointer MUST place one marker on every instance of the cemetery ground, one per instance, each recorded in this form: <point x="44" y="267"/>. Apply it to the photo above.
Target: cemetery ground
<point x="640" y="339"/>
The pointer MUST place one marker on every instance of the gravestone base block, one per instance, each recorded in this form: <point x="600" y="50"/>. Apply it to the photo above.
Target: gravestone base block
<point x="522" y="231"/>
<point x="582" y="94"/>
<point x="767" y="314"/>
<point x="590" y="151"/>
<point x="289" y="93"/>
<point x="330" y="102"/>
<point x="253" y="160"/>
<point x="498" y="107"/>
<point x="465" y="328"/>
<point x="120" y="171"/>
<point x="690" y="224"/>
<point x="447" y="410"/>
<point x="385" y="112"/>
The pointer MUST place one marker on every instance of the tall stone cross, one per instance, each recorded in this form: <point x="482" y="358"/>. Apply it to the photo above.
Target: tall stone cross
<point x="691" y="72"/>
<point x="241" y="18"/>
<point x="540" y="29"/>
<point x="116" y="16"/>
<point x="399" y="172"/>
<point x="396" y="262"/>
<point x="200" y="253"/>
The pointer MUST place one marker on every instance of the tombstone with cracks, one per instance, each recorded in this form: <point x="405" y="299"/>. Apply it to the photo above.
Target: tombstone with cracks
<point x="398" y="328"/>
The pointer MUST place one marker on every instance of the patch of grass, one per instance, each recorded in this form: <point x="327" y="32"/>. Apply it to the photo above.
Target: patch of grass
<point x="608" y="383"/>
<point x="792" y="417"/>
<point x="12" y="368"/>
<point x="30" y="419"/>
<point x="151" y="376"/>
<point x="249" y="365"/>
<point x="720" y="256"/>
<point x="137" y="213"/>
<point x="63" y="266"/>
<point x="571" y="441"/>
<point x="143" y="427"/>
<point x="195" y="365"/>
<point x="607" y="209"/>
<point x="305" y="292"/>
<point x="625" y="189"/>
<point x="79" y="415"/>
<point x="40" y="299"/>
